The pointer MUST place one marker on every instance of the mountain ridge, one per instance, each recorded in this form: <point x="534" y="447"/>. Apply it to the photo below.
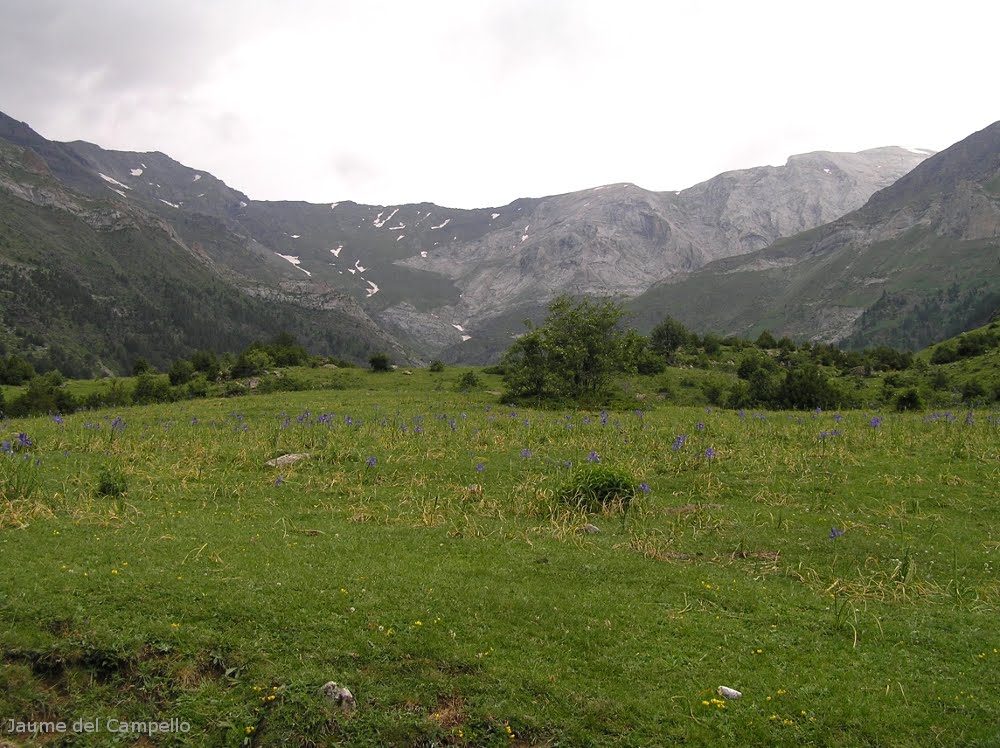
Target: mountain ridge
<point x="916" y="263"/>
<point x="436" y="278"/>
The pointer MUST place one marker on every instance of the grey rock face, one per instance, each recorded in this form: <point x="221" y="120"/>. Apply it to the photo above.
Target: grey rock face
<point x="621" y="239"/>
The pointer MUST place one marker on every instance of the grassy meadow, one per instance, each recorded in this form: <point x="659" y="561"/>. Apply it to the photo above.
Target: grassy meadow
<point x="839" y="569"/>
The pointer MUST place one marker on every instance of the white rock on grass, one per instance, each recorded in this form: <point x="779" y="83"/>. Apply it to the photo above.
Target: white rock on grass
<point x="286" y="460"/>
<point x="339" y="696"/>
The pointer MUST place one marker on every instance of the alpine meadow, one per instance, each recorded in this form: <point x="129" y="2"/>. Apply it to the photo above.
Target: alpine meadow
<point x="613" y="468"/>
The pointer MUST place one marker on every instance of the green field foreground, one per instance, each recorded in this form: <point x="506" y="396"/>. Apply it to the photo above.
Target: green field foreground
<point x="839" y="569"/>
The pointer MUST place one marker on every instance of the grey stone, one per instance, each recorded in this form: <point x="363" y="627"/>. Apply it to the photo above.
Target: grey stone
<point x="339" y="696"/>
<point x="286" y="460"/>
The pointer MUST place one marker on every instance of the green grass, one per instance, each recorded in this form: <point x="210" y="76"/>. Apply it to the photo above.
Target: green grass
<point x="162" y="571"/>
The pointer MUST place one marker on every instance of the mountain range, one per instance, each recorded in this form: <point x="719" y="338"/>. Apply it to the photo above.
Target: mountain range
<point x="110" y="255"/>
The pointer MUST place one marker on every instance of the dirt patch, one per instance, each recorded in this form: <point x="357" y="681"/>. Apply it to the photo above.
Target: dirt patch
<point x="450" y="712"/>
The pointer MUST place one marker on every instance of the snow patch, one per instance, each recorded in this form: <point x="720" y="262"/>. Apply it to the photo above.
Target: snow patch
<point x="466" y="337"/>
<point x="142" y="165"/>
<point x="371" y="291"/>
<point x="135" y="172"/>
<point x="333" y="205"/>
<point x="827" y="171"/>
<point x="296" y="236"/>
<point x="379" y="224"/>
<point x="442" y="225"/>
<point x="242" y="204"/>
<point x="167" y="202"/>
<point x="295" y="261"/>
<point x="202" y="195"/>
<point x="352" y="271"/>
<point x="336" y="252"/>
<point x="400" y="237"/>
<point x="357" y="264"/>
<point x="106" y="178"/>
<point x="423" y="254"/>
<point x="119" y="192"/>
<point x="920" y="151"/>
<point x="524" y="238"/>
<point x="458" y="327"/>
<point x="494" y="216"/>
<point x="397" y="228"/>
<point x="196" y="177"/>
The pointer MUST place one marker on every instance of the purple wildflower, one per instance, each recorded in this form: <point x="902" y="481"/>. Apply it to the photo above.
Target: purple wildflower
<point x="835" y="533"/>
<point x="480" y="467"/>
<point x="644" y="488"/>
<point x="679" y="441"/>
<point x="838" y="418"/>
<point x="23" y="440"/>
<point x="593" y="457"/>
<point x="6" y="448"/>
<point x="875" y="422"/>
<point x="525" y="453"/>
<point x="57" y="420"/>
<point x="118" y="425"/>
<point x="710" y="453"/>
<point x="700" y="426"/>
<point x="371" y="462"/>
<point x="279" y="481"/>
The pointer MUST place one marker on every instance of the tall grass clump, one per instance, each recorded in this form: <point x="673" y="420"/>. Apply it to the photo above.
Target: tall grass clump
<point x="598" y="487"/>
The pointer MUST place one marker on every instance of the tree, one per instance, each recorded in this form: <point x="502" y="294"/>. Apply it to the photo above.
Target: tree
<point x="668" y="336"/>
<point x="573" y="355"/>
<point x="207" y="363"/>
<point x="766" y="340"/>
<point x="180" y="372"/>
<point x="140" y="367"/>
<point x="806" y="387"/>
<point x="17" y="371"/>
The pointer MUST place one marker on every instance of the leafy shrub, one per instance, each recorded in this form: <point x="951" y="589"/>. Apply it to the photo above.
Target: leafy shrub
<point x="252" y="362"/>
<point x="198" y="386"/>
<point x="151" y="388"/>
<point x="909" y="400"/>
<point x="469" y="381"/>
<point x="380" y="362"/>
<point x="141" y="366"/>
<point x="437" y="366"/>
<point x="281" y="384"/>
<point x="972" y="390"/>
<point x="944" y="354"/>
<point x="44" y="395"/>
<point x="111" y="482"/>
<point x="595" y="487"/>
<point x="180" y="372"/>
<point x="649" y="363"/>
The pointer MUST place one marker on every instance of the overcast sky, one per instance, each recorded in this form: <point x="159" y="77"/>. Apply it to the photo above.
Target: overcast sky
<point x="473" y="103"/>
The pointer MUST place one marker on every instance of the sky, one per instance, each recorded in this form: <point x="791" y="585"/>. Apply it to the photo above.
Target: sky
<point x="473" y="103"/>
